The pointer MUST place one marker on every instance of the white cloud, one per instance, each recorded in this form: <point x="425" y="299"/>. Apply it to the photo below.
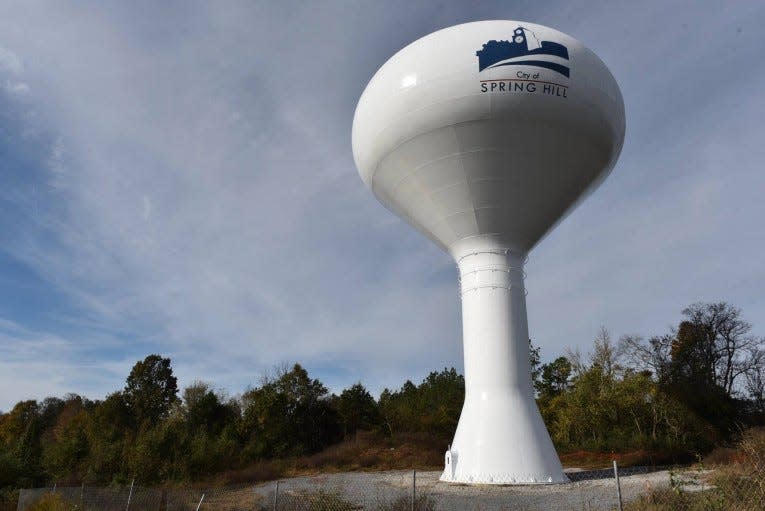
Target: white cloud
<point x="202" y="203"/>
<point x="36" y="364"/>
<point x="10" y="62"/>
<point x="19" y="88"/>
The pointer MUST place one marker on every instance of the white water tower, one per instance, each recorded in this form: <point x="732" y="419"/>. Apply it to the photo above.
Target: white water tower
<point x="483" y="136"/>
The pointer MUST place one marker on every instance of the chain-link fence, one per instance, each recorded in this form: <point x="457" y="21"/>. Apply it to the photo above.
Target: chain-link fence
<point x="142" y="499"/>
<point x="631" y="489"/>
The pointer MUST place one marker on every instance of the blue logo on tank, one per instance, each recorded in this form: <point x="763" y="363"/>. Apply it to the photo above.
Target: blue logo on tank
<point x="525" y="49"/>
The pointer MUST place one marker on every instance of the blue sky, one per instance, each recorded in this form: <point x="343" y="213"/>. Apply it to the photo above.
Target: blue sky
<point x="177" y="177"/>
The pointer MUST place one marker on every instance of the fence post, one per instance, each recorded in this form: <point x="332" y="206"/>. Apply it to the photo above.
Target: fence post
<point x="200" y="502"/>
<point x="414" y="488"/>
<point x="82" y="493"/>
<point x="276" y="496"/>
<point x="130" y="495"/>
<point x="618" y="486"/>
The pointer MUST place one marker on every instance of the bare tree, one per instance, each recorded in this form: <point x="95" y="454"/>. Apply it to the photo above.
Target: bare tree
<point x="713" y="343"/>
<point x="604" y="354"/>
<point x="755" y="380"/>
<point x="578" y="365"/>
<point x="653" y="355"/>
<point x="725" y="341"/>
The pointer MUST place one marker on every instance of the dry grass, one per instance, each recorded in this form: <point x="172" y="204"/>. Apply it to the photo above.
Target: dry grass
<point x="404" y="503"/>
<point x="315" y="501"/>
<point x="233" y="500"/>
<point x="50" y="502"/>
<point x="737" y="484"/>
<point x="364" y="451"/>
<point x="373" y="451"/>
<point x="723" y="456"/>
<point x="8" y="499"/>
<point x="595" y="460"/>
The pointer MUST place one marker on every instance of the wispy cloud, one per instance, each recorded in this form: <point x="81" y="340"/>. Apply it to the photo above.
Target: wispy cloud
<point x="187" y="188"/>
<point x="35" y="364"/>
<point x="10" y="62"/>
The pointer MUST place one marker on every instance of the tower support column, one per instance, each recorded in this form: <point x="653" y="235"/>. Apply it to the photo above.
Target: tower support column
<point x="500" y="438"/>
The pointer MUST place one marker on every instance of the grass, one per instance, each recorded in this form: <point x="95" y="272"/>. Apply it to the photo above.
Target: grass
<point x="8" y="499"/>
<point x="404" y="503"/>
<point x="50" y="502"/>
<point x="315" y="501"/>
<point x="373" y="451"/>
<point x="737" y="483"/>
<point x="364" y="451"/>
<point x="594" y="460"/>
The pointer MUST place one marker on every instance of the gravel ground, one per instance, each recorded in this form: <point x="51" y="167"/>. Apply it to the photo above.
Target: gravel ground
<point x="371" y="490"/>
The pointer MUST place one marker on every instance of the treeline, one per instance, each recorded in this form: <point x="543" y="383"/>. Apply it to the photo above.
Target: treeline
<point x="686" y="391"/>
<point x="152" y="432"/>
<point x="682" y="392"/>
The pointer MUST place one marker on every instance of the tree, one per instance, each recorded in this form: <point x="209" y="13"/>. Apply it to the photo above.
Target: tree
<point x="706" y="363"/>
<point x="603" y="406"/>
<point x="535" y="363"/>
<point x="288" y="415"/>
<point x="711" y="347"/>
<point x="204" y="409"/>
<point x="755" y="382"/>
<point x="20" y="432"/>
<point x="604" y="354"/>
<point x="693" y="358"/>
<point x="554" y="378"/>
<point x="433" y="406"/>
<point x="108" y="431"/>
<point x="66" y="444"/>
<point x="653" y="356"/>
<point x="158" y="453"/>
<point x="358" y="410"/>
<point x="150" y="390"/>
<point x="711" y="351"/>
<point x="721" y="342"/>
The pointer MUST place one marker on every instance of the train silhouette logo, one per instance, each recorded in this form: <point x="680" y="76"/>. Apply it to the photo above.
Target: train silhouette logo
<point x="521" y="51"/>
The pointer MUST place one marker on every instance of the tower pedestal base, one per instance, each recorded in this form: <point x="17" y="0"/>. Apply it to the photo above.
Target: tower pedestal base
<point x="500" y="438"/>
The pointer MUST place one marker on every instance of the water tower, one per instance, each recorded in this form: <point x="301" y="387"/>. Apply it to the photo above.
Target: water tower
<point x="483" y="136"/>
